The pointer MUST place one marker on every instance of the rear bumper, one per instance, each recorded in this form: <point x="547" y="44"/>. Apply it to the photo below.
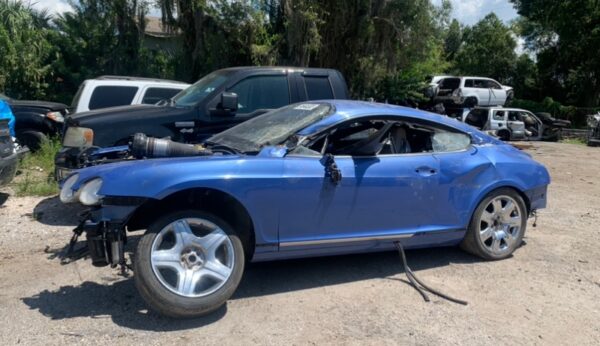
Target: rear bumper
<point x="537" y="197"/>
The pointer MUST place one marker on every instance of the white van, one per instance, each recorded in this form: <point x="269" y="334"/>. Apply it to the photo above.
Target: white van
<point x="112" y="91"/>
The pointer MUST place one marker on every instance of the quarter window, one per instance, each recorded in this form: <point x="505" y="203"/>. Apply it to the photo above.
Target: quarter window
<point x="498" y="115"/>
<point x="154" y="95"/>
<point x="112" y="96"/>
<point x="261" y="92"/>
<point x="318" y="88"/>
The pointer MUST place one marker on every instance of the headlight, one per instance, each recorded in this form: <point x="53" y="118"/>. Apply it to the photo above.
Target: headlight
<point x="67" y="195"/>
<point x="56" y="116"/>
<point x="78" y="137"/>
<point x="88" y="194"/>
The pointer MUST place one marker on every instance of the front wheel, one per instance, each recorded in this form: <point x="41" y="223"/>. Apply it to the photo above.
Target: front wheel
<point x="188" y="264"/>
<point x="497" y="226"/>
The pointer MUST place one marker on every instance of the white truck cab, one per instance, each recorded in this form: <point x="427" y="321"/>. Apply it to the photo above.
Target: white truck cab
<point x="506" y="123"/>
<point x="112" y="91"/>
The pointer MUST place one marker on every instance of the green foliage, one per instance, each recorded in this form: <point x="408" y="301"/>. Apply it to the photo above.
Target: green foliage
<point x="577" y="115"/>
<point x="488" y="50"/>
<point x="37" y="171"/>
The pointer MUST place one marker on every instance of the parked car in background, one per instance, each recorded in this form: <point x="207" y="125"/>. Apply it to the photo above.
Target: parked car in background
<point x="513" y="124"/>
<point x="113" y="91"/>
<point x="593" y="121"/>
<point x="8" y="154"/>
<point x="215" y="103"/>
<point x="470" y="91"/>
<point x="310" y="179"/>
<point x="36" y="121"/>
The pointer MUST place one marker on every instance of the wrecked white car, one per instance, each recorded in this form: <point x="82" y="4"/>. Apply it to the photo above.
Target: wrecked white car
<point x="510" y="123"/>
<point x="469" y="91"/>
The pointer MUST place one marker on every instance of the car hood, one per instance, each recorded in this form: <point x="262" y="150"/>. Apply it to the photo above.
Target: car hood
<point x="124" y="113"/>
<point x="53" y="106"/>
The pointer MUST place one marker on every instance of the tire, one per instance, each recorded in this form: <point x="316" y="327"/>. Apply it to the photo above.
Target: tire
<point x="31" y="138"/>
<point x="504" y="135"/>
<point x="160" y="286"/>
<point x="470" y="102"/>
<point x="489" y="226"/>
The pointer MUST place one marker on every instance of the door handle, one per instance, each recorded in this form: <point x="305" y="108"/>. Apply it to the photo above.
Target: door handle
<point x="426" y="171"/>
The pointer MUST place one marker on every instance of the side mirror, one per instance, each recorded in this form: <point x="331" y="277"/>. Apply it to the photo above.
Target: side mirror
<point x="229" y="102"/>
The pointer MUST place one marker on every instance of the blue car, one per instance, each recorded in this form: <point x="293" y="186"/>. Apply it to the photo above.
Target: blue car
<point x="310" y="179"/>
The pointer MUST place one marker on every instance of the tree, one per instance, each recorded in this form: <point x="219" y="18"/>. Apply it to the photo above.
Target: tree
<point x="566" y="36"/>
<point x="488" y="50"/>
<point x="453" y="40"/>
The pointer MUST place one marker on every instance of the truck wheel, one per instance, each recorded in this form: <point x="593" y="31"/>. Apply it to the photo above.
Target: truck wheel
<point x="471" y="102"/>
<point x="504" y="135"/>
<point x="188" y="264"/>
<point x="497" y="226"/>
<point x="31" y="138"/>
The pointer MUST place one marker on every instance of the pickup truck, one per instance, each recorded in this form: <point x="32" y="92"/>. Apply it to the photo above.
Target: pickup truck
<point x="216" y="102"/>
<point x="36" y="120"/>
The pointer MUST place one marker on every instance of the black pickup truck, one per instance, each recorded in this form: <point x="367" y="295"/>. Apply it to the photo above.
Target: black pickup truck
<point x="36" y="120"/>
<point x="218" y="101"/>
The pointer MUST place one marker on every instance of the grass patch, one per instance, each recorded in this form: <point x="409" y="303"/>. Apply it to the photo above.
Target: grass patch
<point x="575" y="140"/>
<point x="36" y="176"/>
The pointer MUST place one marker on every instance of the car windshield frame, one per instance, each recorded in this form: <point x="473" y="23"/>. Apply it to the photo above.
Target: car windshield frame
<point x="272" y="128"/>
<point x="199" y="91"/>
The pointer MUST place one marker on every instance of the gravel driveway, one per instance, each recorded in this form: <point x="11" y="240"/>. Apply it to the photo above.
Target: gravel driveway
<point x="548" y="293"/>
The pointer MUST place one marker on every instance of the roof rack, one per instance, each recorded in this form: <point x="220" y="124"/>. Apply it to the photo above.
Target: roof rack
<point x="133" y="78"/>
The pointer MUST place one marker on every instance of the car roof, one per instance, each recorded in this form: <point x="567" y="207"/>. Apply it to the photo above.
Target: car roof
<point x="135" y="79"/>
<point x="504" y="109"/>
<point x="348" y="110"/>
<point x="279" y="68"/>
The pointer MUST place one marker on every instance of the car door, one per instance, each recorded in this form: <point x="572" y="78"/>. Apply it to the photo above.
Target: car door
<point x="483" y="92"/>
<point x="516" y="125"/>
<point x="379" y="196"/>
<point x="498" y="119"/>
<point x="498" y="95"/>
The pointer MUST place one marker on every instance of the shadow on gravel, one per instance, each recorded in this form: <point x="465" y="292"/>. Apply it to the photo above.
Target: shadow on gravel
<point x="51" y="211"/>
<point x="121" y="302"/>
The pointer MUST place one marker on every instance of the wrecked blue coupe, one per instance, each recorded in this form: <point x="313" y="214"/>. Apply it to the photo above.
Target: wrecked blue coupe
<point x="310" y="179"/>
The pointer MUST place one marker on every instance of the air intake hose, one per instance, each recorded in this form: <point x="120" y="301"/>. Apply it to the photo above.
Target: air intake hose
<point x="149" y="147"/>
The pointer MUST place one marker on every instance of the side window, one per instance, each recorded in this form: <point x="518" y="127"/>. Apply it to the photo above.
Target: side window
<point x="261" y="92"/>
<point x="445" y="141"/>
<point x="479" y="83"/>
<point x="318" y="88"/>
<point x="154" y="95"/>
<point x="513" y="116"/>
<point x="450" y="83"/>
<point x="469" y="83"/>
<point x="111" y="96"/>
<point x="498" y="115"/>
<point x="493" y="85"/>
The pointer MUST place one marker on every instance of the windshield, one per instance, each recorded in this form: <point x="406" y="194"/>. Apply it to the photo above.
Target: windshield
<point x="271" y="128"/>
<point x="197" y="92"/>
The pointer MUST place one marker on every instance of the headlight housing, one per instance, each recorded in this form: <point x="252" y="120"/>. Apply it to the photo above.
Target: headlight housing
<point x="88" y="193"/>
<point x="78" y="137"/>
<point x="56" y="116"/>
<point x="67" y="195"/>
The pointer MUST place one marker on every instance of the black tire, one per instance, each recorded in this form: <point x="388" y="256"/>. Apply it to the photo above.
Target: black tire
<point x="472" y="242"/>
<point x="504" y="135"/>
<point x="593" y="142"/>
<point x="31" y="138"/>
<point x="470" y="102"/>
<point x="168" y="303"/>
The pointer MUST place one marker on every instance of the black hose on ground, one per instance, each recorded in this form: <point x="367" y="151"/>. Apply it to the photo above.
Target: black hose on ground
<point x="418" y="284"/>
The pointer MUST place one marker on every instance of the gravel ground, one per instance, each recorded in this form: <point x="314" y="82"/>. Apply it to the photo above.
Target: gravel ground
<point x="547" y="293"/>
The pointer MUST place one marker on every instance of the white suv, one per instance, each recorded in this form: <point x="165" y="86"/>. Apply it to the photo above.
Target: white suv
<point x="506" y="123"/>
<point x="470" y="91"/>
<point x="112" y="91"/>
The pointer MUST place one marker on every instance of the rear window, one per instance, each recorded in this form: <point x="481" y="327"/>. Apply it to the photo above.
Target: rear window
<point x="154" y="95"/>
<point x="111" y="96"/>
<point x="450" y="83"/>
<point x="318" y="88"/>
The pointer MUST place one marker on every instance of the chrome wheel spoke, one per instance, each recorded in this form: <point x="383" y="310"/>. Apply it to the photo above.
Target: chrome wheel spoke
<point x="212" y="241"/>
<point x="170" y="258"/>
<point x="487" y="217"/>
<point x="495" y="245"/>
<point x="183" y="232"/>
<point x="186" y="281"/>
<point x="514" y="221"/>
<point x="508" y="209"/>
<point x="217" y="270"/>
<point x="486" y="234"/>
<point x="497" y="204"/>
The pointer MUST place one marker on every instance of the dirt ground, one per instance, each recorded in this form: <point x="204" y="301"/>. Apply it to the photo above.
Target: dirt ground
<point x="547" y="293"/>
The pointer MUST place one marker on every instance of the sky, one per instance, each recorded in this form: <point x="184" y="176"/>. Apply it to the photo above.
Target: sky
<point x="466" y="11"/>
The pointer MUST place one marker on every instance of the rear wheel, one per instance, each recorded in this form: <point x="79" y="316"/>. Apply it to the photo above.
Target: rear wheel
<point x="497" y="226"/>
<point x="504" y="135"/>
<point x="188" y="264"/>
<point x="31" y="138"/>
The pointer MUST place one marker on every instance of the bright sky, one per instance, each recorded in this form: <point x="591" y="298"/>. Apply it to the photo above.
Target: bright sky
<point x="466" y="11"/>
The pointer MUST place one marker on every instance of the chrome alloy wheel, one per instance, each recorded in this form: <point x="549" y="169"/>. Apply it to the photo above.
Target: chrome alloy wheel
<point x="192" y="257"/>
<point x="500" y="225"/>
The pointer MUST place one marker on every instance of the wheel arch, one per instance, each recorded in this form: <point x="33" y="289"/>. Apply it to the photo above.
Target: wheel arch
<point x="217" y="202"/>
<point x="502" y="185"/>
